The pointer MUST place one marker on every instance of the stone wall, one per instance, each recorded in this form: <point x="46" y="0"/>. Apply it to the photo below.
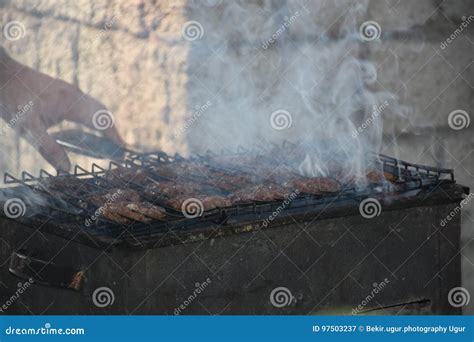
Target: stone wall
<point x="133" y="56"/>
<point x="130" y="55"/>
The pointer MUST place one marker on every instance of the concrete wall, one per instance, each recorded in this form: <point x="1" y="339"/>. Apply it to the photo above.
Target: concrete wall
<point x="154" y="80"/>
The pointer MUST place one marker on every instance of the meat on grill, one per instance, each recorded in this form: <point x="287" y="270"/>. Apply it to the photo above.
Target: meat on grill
<point x="116" y="195"/>
<point x="141" y="194"/>
<point x="123" y="205"/>
<point x="236" y="162"/>
<point x="231" y="183"/>
<point x="181" y="169"/>
<point x="65" y="186"/>
<point x="263" y="193"/>
<point x="113" y="215"/>
<point x="148" y="209"/>
<point x="122" y="209"/>
<point x="168" y="189"/>
<point x="379" y="177"/>
<point x="189" y="171"/>
<point x="200" y="203"/>
<point x="169" y="171"/>
<point x="280" y="174"/>
<point x="123" y="177"/>
<point x="315" y="185"/>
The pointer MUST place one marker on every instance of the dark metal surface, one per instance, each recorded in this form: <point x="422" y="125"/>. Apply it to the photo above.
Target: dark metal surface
<point x="328" y="264"/>
<point x="90" y="145"/>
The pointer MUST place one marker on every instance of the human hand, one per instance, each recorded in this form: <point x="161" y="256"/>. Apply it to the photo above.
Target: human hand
<point x="32" y="102"/>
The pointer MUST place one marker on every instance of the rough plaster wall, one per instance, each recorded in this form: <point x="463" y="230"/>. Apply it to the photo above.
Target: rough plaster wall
<point x="152" y="79"/>
<point x="136" y="66"/>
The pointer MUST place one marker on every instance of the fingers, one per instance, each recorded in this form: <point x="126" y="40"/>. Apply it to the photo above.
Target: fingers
<point x="92" y="113"/>
<point x="47" y="146"/>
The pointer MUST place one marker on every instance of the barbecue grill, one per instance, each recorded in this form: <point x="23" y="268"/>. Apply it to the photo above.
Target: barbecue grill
<point x="319" y="248"/>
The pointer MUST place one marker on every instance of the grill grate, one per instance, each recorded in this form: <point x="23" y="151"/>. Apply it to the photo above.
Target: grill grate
<point x="66" y="216"/>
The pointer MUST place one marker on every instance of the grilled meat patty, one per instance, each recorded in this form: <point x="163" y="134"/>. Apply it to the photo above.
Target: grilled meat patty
<point x="315" y="185"/>
<point x="170" y="189"/>
<point x="148" y="209"/>
<point x="66" y="185"/>
<point x="123" y="205"/>
<point x="200" y="203"/>
<point x="262" y="193"/>
<point x="124" y="177"/>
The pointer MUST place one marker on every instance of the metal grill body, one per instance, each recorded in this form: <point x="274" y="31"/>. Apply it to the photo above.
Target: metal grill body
<point x="319" y="248"/>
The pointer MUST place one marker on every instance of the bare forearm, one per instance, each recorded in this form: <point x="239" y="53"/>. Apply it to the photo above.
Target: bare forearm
<point x="50" y="101"/>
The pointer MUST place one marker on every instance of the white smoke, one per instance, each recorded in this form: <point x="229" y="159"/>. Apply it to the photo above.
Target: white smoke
<point x="259" y="58"/>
